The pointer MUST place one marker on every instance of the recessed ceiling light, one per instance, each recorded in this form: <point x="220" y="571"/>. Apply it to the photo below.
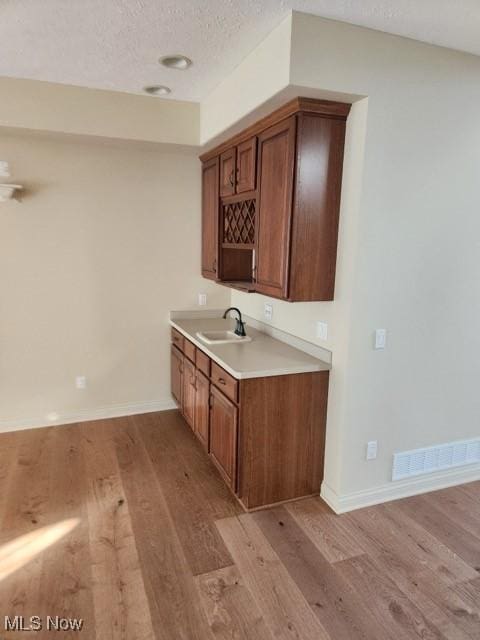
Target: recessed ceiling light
<point x="157" y="90"/>
<point x="176" y="62"/>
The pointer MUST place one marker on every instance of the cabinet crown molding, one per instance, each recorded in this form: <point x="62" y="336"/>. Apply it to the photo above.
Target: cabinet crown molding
<point x="325" y="108"/>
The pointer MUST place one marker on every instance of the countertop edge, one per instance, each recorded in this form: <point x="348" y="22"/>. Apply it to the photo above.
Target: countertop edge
<point x="322" y="366"/>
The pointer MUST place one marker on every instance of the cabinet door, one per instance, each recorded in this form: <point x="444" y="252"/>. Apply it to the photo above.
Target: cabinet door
<point x="210" y="199"/>
<point x="275" y="178"/>
<point x="223" y="435"/>
<point x="246" y="165"/>
<point x="176" y="375"/>
<point x="188" y="399"/>
<point x="227" y="173"/>
<point x="202" y="408"/>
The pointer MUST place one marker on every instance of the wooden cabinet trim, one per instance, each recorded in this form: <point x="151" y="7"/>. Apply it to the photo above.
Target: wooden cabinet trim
<point x="202" y="362"/>
<point x="189" y="349"/>
<point x="246" y="171"/>
<point x="228" y="172"/>
<point x="210" y="217"/>
<point x="177" y="338"/>
<point x="232" y="411"/>
<point x="264" y="284"/>
<point x="202" y="408"/>
<point x="188" y="397"/>
<point x="326" y="108"/>
<point x="225" y="382"/>
<point x="176" y="374"/>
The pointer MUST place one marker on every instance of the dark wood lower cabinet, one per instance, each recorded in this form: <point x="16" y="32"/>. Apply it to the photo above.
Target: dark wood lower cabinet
<point x="202" y="408"/>
<point x="223" y="435"/>
<point x="265" y="435"/>
<point x="188" y="399"/>
<point x="176" y="374"/>
<point x="282" y="437"/>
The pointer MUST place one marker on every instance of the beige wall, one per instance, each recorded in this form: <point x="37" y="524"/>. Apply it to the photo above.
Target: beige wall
<point x="104" y="244"/>
<point x="263" y="73"/>
<point x="45" y="106"/>
<point x="92" y="261"/>
<point x="417" y="270"/>
<point x="408" y="255"/>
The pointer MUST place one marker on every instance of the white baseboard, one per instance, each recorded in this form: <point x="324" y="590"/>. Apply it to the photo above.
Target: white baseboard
<point x="397" y="490"/>
<point x="86" y="415"/>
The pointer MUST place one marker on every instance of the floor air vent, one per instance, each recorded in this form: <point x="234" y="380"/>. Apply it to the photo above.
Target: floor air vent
<point x="430" y="459"/>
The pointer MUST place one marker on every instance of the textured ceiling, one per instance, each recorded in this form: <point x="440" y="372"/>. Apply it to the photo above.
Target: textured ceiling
<point x="115" y="44"/>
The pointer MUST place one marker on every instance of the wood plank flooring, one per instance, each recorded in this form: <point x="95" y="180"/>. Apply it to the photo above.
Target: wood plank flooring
<point x="126" y="524"/>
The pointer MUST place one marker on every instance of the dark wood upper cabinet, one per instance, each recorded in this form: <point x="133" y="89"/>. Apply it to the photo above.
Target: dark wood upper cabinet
<point x="176" y="374"/>
<point x="316" y="207"/>
<point x="280" y="183"/>
<point x="210" y="203"/>
<point x="223" y="435"/>
<point x="246" y="165"/>
<point x="202" y="408"/>
<point x="228" y="173"/>
<point x="276" y="152"/>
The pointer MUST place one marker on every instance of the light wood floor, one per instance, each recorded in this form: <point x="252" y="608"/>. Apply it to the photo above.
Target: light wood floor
<point x="161" y="550"/>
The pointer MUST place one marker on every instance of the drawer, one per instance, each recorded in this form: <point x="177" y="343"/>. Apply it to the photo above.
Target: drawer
<point x="177" y="339"/>
<point x="203" y="362"/>
<point x="189" y="349"/>
<point x="224" y="381"/>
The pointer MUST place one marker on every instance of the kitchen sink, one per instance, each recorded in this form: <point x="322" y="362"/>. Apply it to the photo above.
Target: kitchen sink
<point x="221" y="337"/>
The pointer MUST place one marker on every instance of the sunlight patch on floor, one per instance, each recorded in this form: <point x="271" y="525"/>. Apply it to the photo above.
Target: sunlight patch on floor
<point x="18" y="552"/>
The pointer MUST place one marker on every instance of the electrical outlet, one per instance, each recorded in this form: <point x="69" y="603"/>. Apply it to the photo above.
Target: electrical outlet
<point x="81" y="382"/>
<point x="372" y="448"/>
<point x="4" y="169"/>
<point x="380" y="338"/>
<point x="202" y="299"/>
<point x="322" y="330"/>
<point x="268" y="311"/>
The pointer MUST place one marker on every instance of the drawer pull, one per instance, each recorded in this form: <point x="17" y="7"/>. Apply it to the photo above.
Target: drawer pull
<point x="222" y="381"/>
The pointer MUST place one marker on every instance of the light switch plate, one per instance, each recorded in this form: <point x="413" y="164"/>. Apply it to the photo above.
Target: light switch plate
<point x="268" y="311"/>
<point x="380" y="338"/>
<point x="372" y="448"/>
<point x="322" y="330"/>
<point x="202" y="299"/>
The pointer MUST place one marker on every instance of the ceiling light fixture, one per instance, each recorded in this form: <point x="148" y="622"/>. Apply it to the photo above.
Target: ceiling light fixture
<point x="157" y="90"/>
<point x="176" y="62"/>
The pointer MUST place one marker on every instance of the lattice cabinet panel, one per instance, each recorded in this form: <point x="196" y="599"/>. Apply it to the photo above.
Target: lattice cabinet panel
<point x="239" y="222"/>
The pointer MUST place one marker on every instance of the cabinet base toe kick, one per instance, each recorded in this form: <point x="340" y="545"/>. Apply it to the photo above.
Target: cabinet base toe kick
<point x="266" y="436"/>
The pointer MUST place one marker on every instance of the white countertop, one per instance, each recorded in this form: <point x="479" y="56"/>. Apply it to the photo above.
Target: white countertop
<point x="263" y="356"/>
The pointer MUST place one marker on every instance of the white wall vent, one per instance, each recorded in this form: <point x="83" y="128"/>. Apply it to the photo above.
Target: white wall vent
<point x="430" y="459"/>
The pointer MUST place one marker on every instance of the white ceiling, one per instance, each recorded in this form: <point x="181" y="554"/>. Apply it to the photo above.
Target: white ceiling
<point x="115" y="44"/>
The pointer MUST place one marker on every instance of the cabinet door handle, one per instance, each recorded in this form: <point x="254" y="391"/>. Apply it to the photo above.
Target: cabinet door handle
<point x="222" y="381"/>
<point x="215" y="265"/>
<point x="232" y="181"/>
